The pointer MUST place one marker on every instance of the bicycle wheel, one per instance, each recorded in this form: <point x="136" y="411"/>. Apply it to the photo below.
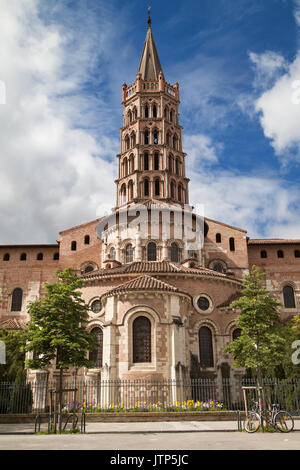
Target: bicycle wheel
<point x="252" y="422"/>
<point x="284" y="421"/>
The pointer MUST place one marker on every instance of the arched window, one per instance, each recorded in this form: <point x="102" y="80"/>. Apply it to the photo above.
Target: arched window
<point x="6" y="257"/>
<point x="205" y="347"/>
<point x="23" y="257"/>
<point x="141" y="336"/>
<point x="132" y="140"/>
<point x="73" y="246"/>
<point x="87" y="240"/>
<point x="171" y="115"/>
<point x="89" y="269"/>
<point x="129" y="253"/>
<point x="146" y="161"/>
<point x="236" y="333"/>
<point x="289" y="297"/>
<point x="157" y="187"/>
<point x="263" y="254"/>
<point x="156" y="161"/>
<point x="123" y="193"/>
<point x="127" y="142"/>
<point x="170" y="164"/>
<point x="40" y="257"/>
<point x="131" y="164"/>
<point x="97" y="354"/>
<point x="112" y="253"/>
<point x="177" y="166"/>
<point x="175" y="142"/>
<point x="154" y="111"/>
<point x="130" y="190"/>
<point x="218" y="238"/>
<point x="125" y="167"/>
<point x="280" y="254"/>
<point x="179" y="192"/>
<point x="155" y="137"/>
<point x="146" y="134"/>
<point x="297" y="253"/>
<point x="168" y="138"/>
<point x="231" y="244"/>
<point x="218" y="267"/>
<point x="16" y="301"/>
<point x="174" y="252"/>
<point x="172" y="190"/>
<point x="129" y="115"/>
<point x="56" y="256"/>
<point x="146" y="111"/>
<point x="151" y="251"/>
<point x="146" y="187"/>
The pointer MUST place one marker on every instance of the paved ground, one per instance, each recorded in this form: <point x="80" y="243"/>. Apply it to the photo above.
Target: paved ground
<point x="154" y="441"/>
<point x="193" y="435"/>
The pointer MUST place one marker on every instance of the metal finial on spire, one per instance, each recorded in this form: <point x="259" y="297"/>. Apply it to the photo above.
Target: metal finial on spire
<point x="149" y="15"/>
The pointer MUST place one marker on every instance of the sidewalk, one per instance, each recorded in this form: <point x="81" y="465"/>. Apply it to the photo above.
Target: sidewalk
<point x="139" y="428"/>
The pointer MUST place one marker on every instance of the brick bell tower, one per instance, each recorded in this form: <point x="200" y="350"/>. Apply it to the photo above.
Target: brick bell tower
<point x="151" y="162"/>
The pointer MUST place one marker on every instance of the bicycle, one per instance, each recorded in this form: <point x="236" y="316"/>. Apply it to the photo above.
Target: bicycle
<point x="279" y="419"/>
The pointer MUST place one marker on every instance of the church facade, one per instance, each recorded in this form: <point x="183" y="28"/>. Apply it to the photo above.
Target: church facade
<point x="158" y="277"/>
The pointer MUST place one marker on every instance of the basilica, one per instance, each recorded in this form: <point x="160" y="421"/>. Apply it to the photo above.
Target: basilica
<point x="158" y="277"/>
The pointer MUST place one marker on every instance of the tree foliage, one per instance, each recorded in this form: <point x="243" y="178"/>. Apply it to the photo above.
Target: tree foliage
<point x="261" y="343"/>
<point x="57" y="326"/>
<point x="13" y="370"/>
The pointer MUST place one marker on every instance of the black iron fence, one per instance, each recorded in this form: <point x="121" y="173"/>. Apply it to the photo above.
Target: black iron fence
<point x="91" y="396"/>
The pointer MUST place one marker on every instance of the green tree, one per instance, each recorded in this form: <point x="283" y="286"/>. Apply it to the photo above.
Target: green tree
<point x="261" y="343"/>
<point x="13" y="370"/>
<point x="57" y="327"/>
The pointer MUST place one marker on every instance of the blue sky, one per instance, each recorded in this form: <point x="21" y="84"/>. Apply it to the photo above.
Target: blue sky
<point x="63" y="64"/>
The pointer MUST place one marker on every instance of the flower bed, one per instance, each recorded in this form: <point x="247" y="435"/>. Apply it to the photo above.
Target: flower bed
<point x="187" y="406"/>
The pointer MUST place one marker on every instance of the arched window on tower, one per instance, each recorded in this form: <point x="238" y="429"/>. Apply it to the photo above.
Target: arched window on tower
<point x="112" y="253"/>
<point x="146" y="187"/>
<point x="146" y="137"/>
<point x="16" y="301"/>
<point x="156" y="161"/>
<point x="171" y="115"/>
<point x="146" y="111"/>
<point x="123" y="193"/>
<point x="129" y="253"/>
<point x="132" y="140"/>
<point x="97" y="354"/>
<point x="170" y="165"/>
<point x="289" y="297"/>
<point x="151" y="251"/>
<point x="175" y="142"/>
<point x="157" y="187"/>
<point x="154" y="111"/>
<point x="127" y="143"/>
<point x="179" y="193"/>
<point x="141" y="338"/>
<point x="172" y="190"/>
<point x="130" y="190"/>
<point x="146" y="161"/>
<point x="174" y="252"/>
<point x="206" y="347"/>
<point x="155" y="137"/>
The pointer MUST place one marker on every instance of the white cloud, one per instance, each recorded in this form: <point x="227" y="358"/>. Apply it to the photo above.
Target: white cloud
<point x="201" y="150"/>
<point x="264" y="206"/>
<point x="54" y="172"/>
<point x="268" y="66"/>
<point x="280" y="115"/>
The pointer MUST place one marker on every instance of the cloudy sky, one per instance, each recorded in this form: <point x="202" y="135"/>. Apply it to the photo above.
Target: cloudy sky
<point x="62" y="65"/>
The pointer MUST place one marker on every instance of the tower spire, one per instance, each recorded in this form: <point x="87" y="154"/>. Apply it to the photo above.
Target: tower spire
<point x="150" y="66"/>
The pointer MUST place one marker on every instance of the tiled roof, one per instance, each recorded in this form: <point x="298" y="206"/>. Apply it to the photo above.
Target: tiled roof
<point x="152" y="267"/>
<point x="273" y="241"/>
<point x="12" y="324"/>
<point x="143" y="283"/>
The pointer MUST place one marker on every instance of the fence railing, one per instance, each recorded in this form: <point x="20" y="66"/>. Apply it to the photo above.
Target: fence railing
<point x="145" y="395"/>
